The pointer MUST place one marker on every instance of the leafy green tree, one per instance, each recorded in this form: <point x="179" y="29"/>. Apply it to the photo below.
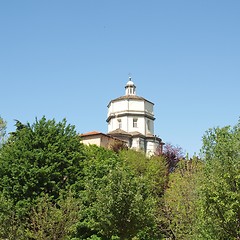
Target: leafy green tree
<point x="220" y="188"/>
<point x="154" y="172"/>
<point x="124" y="207"/>
<point x="49" y="220"/>
<point x="180" y="199"/>
<point x="45" y="157"/>
<point x="153" y="169"/>
<point x="3" y="126"/>
<point x="11" y="226"/>
<point x="118" y="202"/>
<point x="100" y="162"/>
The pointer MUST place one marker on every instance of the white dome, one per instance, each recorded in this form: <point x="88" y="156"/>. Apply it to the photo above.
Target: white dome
<point x="130" y="82"/>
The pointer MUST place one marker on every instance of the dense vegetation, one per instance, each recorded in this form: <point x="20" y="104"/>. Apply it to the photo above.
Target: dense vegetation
<point x="54" y="187"/>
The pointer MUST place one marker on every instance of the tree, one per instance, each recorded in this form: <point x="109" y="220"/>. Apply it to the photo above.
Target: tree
<point x="100" y="162"/>
<point x="118" y="145"/>
<point x="124" y="206"/>
<point x="118" y="201"/>
<point x="48" y="219"/>
<point x="54" y="221"/>
<point x="219" y="208"/>
<point x="173" y="155"/>
<point x="3" y="125"/>
<point x="153" y="169"/>
<point x="45" y="157"/>
<point x="180" y="199"/>
<point x="11" y="226"/>
<point x="154" y="172"/>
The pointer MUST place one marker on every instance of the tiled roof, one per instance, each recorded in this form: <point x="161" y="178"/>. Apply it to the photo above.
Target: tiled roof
<point x="130" y="97"/>
<point x="91" y="133"/>
<point x="99" y="133"/>
<point x="136" y="133"/>
<point x="119" y="131"/>
<point x="122" y="132"/>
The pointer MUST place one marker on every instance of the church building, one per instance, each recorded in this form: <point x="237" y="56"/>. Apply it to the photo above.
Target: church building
<point x="131" y="118"/>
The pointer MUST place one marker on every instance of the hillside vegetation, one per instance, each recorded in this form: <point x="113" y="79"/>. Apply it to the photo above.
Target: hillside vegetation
<point x="55" y="188"/>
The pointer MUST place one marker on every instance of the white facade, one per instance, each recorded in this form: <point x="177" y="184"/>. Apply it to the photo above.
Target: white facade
<point x="133" y="116"/>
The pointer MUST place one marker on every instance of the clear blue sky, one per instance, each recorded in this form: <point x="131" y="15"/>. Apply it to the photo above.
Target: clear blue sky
<point x="68" y="59"/>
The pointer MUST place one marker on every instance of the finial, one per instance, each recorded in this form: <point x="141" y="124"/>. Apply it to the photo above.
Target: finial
<point x="130" y="76"/>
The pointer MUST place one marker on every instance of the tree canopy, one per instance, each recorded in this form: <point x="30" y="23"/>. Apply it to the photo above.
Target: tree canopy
<point x="54" y="187"/>
<point x="220" y="187"/>
<point x="119" y="197"/>
<point x="44" y="157"/>
<point x="3" y="126"/>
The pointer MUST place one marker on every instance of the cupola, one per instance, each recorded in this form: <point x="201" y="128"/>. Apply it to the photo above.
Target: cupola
<point x="130" y="87"/>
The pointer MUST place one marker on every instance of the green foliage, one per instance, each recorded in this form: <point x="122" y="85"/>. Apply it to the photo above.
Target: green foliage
<point x="118" y="192"/>
<point x="153" y="170"/>
<point x="219" y="206"/>
<point x="100" y="162"/>
<point x="43" y="158"/>
<point x="123" y="207"/>
<point x="51" y="220"/>
<point x="11" y="226"/>
<point x="3" y="126"/>
<point x="118" y="202"/>
<point x="180" y="199"/>
<point x="116" y="195"/>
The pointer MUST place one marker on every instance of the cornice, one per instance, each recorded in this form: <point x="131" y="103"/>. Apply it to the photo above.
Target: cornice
<point x="130" y="114"/>
<point x="129" y="97"/>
